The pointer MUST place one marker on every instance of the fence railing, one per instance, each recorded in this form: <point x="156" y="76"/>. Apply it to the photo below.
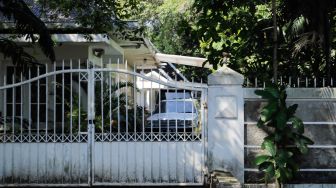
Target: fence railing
<point x="295" y="82"/>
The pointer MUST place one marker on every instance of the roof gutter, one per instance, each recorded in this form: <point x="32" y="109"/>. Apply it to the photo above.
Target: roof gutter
<point x="182" y="60"/>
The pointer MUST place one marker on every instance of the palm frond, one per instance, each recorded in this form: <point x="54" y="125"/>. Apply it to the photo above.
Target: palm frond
<point x="305" y="40"/>
<point x="298" y="25"/>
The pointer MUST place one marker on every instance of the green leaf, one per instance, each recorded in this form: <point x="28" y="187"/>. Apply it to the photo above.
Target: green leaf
<point x="281" y="120"/>
<point x="270" y="171"/>
<point x="291" y="110"/>
<point x="283" y="94"/>
<point x="285" y="174"/>
<point x="268" y="111"/>
<point x="264" y="166"/>
<point x="297" y="124"/>
<point x="306" y="140"/>
<point x="290" y="154"/>
<point x="277" y="173"/>
<point x="269" y="146"/>
<point x="283" y="157"/>
<point x="302" y="147"/>
<point x="277" y="137"/>
<point x="293" y="165"/>
<point x="289" y="173"/>
<point x="302" y="143"/>
<point x="264" y="94"/>
<point x="274" y="91"/>
<point x="260" y="123"/>
<point x="261" y="159"/>
<point x="269" y="138"/>
<point x="268" y="168"/>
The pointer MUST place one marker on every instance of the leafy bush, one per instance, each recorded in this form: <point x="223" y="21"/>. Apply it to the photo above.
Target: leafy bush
<point x="119" y="104"/>
<point x="285" y="141"/>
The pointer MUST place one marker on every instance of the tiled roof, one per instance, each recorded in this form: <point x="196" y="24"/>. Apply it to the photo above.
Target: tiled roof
<point x="46" y="15"/>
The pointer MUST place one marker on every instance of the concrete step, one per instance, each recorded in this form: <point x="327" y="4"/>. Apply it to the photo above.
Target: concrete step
<point x="223" y="179"/>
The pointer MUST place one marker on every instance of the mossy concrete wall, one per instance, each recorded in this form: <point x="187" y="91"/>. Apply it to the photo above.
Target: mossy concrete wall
<point x="317" y="108"/>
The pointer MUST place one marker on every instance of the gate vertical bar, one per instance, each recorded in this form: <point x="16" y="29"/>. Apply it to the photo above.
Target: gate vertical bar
<point x="63" y="101"/>
<point x="13" y="106"/>
<point x="204" y="137"/>
<point x="47" y="103"/>
<point x="21" y="110"/>
<point x="38" y="105"/>
<point x="5" y="110"/>
<point x="71" y="101"/>
<point x="91" y="115"/>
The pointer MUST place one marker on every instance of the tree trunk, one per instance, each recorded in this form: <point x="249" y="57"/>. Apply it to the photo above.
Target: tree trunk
<point x="326" y="45"/>
<point x="275" y="43"/>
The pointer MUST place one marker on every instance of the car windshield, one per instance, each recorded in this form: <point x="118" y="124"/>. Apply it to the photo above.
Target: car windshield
<point x="176" y="107"/>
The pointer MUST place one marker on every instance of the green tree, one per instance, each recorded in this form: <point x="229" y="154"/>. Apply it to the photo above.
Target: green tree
<point x="244" y="30"/>
<point x="26" y="25"/>
<point x="170" y="26"/>
<point x="94" y="16"/>
<point x="275" y="40"/>
<point x="310" y="24"/>
<point x="91" y="16"/>
<point x="237" y="33"/>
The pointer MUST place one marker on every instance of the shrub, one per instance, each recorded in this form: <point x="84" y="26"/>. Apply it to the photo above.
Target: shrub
<point x="285" y="141"/>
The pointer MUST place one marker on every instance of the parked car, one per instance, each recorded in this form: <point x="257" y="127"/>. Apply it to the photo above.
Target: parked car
<point x="171" y="114"/>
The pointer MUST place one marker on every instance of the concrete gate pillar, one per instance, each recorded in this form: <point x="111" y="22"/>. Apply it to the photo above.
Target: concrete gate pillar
<point x="226" y="122"/>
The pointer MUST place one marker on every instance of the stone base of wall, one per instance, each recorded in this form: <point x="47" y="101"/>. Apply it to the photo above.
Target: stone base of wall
<point x="291" y="186"/>
<point x="302" y="177"/>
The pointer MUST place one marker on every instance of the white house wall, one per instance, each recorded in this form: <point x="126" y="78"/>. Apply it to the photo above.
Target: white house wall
<point x="147" y="96"/>
<point x="64" y="51"/>
<point x="110" y="54"/>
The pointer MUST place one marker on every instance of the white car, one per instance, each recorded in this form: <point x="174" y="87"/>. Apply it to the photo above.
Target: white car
<point x="177" y="113"/>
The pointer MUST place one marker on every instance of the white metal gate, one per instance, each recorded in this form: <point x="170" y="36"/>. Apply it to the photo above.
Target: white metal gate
<point x="84" y="124"/>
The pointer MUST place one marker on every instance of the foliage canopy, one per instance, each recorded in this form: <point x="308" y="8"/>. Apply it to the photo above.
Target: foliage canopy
<point x="36" y="20"/>
<point x="243" y="29"/>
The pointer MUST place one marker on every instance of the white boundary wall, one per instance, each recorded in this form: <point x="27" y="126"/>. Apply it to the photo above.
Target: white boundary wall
<point x="226" y="122"/>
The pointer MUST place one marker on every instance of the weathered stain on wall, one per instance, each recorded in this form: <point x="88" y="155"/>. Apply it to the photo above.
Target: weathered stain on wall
<point x="43" y="163"/>
<point x="113" y="162"/>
